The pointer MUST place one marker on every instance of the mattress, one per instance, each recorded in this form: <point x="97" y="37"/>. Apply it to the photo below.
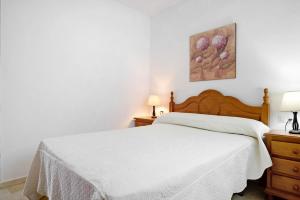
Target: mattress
<point x="162" y="161"/>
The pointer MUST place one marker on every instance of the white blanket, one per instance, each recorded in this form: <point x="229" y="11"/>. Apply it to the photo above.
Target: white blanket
<point x="162" y="161"/>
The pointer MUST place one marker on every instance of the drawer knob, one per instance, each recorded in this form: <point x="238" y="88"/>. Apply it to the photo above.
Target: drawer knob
<point x="296" y="152"/>
<point x="296" y="187"/>
<point x="296" y="169"/>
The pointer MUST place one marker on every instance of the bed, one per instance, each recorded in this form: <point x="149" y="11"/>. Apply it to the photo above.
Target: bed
<point x="206" y="148"/>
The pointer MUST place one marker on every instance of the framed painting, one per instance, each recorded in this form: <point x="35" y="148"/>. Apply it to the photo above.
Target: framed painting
<point x="213" y="54"/>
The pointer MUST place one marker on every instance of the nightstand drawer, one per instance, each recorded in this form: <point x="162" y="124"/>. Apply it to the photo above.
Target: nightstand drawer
<point x="290" y="150"/>
<point x="286" y="184"/>
<point x="286" y="166"/>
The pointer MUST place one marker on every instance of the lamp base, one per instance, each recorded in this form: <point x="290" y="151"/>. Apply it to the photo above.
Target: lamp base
<point x="295" y="125"/>
<point x="153" y="113"/>
<point x="294" y="131"/>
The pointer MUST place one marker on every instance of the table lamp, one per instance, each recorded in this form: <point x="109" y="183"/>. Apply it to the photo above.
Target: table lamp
<point x="153" y="101"/>
<point x="291" y="103"/>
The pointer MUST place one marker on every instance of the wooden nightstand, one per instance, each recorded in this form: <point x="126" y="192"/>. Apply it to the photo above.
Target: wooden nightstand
<point x="283" y="178"/>
<point x="143" y="121"/>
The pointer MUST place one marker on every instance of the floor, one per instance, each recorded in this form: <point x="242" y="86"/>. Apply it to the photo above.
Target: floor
<point x="253" y="192"/>
<point x="12" y="193"/>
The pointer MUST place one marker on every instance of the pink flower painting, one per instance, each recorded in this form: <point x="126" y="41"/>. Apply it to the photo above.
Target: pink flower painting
<point x="212" y="54"/>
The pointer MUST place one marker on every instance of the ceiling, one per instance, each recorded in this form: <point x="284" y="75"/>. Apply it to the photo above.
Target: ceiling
<point x="150" y="7"/>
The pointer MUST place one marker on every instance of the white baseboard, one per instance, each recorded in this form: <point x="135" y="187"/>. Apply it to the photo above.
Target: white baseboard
<point x="12" y="182"/>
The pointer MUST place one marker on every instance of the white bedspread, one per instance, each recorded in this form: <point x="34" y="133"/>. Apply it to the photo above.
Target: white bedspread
<point x="162" y="161"/>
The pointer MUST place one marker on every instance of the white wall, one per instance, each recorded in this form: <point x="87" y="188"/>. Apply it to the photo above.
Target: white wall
<point x="1" y="91"/>
<point x="268" y="38"/>
<point x="69" y="66"/>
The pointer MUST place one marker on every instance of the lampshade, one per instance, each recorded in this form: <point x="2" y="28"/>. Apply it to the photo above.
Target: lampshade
<point x="291" y="101"/>
<point x="153" y="100"/>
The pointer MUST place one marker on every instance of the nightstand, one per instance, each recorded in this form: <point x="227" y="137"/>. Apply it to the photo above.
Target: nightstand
<point x="283" y="178"/>
<point x="143" y="121"/>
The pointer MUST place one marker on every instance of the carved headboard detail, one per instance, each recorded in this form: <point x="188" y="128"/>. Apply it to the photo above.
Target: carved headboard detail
<point x="213" y="102"/>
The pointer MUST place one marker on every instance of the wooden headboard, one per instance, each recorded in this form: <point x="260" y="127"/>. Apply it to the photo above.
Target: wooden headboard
<point x="213" y="102"/>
